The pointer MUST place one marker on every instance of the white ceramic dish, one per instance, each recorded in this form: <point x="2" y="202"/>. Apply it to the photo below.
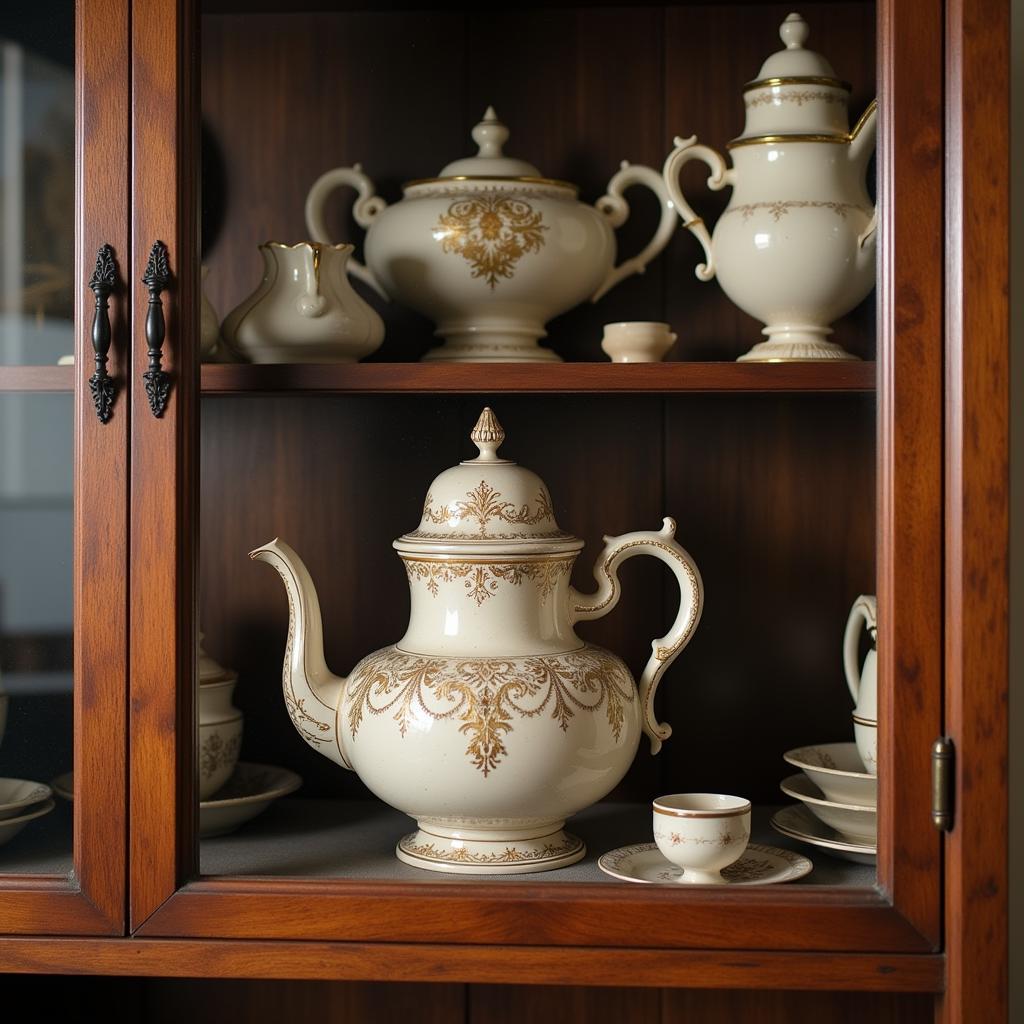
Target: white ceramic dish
<point x="249" y="792"/>
<point x="857" y="823"/>
<point x="10" y="827"/>
<point x="836" y="769"/>
<point x="17" y="795"/>
<point x="759" y="865"/>
<point x="797" y="822"/>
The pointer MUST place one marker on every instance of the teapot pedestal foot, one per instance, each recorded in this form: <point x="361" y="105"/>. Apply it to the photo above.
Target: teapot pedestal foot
<point x="492" y="344"/>
<point x="795" y="344"/>
<point x="489" y="851"/>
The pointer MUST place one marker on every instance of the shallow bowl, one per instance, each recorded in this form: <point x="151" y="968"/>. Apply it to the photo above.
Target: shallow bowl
<point x="10" y="827"/>
<point x="858" y="823"/>
<point x="17" y="795"/>
<point x="836" y="769"/>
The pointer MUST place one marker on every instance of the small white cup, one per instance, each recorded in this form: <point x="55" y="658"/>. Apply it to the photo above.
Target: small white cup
<point x="637" y="341"/>
<point x="865" y="732"/>
<point x="702" y="833"/>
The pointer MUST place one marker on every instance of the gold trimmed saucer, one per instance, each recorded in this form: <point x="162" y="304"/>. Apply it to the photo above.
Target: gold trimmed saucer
<point x="759" y="865"/>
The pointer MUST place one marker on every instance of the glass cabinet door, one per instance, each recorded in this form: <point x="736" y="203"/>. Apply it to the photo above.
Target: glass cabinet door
<point x="63" y="103"/>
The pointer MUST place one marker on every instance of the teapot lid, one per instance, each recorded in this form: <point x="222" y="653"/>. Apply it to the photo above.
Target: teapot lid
<point x="488" y="504"/>
<point x="211" y="671"/>
<point x="490" y="162"/>
<point x="794" y="61"/>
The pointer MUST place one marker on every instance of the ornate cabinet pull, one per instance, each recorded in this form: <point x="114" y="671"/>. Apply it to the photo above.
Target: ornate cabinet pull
<point x="102" y="283"/>
<point x="156" y="278"/>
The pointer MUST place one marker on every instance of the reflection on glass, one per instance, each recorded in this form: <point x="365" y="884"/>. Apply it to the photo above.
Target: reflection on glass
<point x="37" y="181"/>
<point x="35" y="625"/>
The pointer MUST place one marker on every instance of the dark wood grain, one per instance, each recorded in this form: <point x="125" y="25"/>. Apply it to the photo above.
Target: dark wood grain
<point x="512" y="1004"/>
<point x="516" y="378"/>
<point x="684" y="1007"/>
<point x="909" y="586"/>
<point x="38" y="378"/>
<point x="977" y="507"/>
<point x="408" y="962"/>
<point x="164" y="464"/>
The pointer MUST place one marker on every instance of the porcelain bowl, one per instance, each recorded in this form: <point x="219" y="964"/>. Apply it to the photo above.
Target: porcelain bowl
<point x="836" y="769"/>
<point x="17" y="795"/>
<point x="10" y="827"/>
<point x="850" y="820"/>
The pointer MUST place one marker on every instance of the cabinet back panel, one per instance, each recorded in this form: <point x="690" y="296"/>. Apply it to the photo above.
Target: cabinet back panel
<point x="288" y="96"/>
<point x="774" y="497"/>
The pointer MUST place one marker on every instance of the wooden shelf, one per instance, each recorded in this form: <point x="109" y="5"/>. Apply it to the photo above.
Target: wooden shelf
<point x="538" y="378"/>
<point x="37" y="378"/>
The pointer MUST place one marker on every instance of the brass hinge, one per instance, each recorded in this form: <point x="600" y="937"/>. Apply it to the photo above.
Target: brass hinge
<point x="942" y="784"/>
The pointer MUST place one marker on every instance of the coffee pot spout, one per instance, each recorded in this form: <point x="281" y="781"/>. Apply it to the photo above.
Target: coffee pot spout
<point x="312" y="692"/>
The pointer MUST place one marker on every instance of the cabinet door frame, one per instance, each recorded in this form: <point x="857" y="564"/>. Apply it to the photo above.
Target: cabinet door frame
<point x="902" y="915"/>
<point x="92" y="900"/>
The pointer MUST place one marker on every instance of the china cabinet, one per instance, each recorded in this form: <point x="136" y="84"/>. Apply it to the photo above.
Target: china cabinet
<point x="195" y="130"/>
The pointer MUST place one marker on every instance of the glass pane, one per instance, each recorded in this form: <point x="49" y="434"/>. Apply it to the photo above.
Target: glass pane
<point x="35" y="628"/>
<point x="37" y="182"/>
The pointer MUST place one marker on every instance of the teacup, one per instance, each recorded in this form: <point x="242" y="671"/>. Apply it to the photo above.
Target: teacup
<point x="865" y="732"/>
<point x="637" y="341"/>
<point x="702" y="833"/>
<point x="220" y="734"/>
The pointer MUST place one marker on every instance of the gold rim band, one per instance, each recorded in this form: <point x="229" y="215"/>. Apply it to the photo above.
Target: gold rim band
<point x="767" y="83"/>
<point x="733" y="813"/>
<point x="756" y="140"/>
<point x="496" y="560"/>
<point x="872" y="723"/>
<point x="550" y="182"/>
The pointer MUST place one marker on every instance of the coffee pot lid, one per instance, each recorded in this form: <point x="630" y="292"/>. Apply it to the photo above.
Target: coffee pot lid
<point x="794" y="61"/>
<point x="488" y="503"/>
<point x="490" y="135"/>
<point x="210" y="671"/>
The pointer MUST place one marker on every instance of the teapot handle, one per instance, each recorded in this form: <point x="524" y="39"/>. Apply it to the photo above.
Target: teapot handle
<point x="865" y="609"/>
<point x="660" y="544"/>
<point x="685" y="151"/>
<point x="365" y="210"/>
<point x="615" y="209"/>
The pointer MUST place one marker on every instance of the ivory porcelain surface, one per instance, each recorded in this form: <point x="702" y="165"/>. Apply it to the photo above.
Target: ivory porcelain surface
<point x="837" y="770"/>
<point x="304" y="310"/>
<point x="701" y="833"/>
<point x="863" y="680"/>
<point x="797" y="822"/>
<point x="490" y="250"/>
<point x="220" y="724"/>
<point x="758" y="865"/>
<point x="637" y="341"/>
<point x="251" y="789"/>
<point x="18" y="794"/>
<point x="10" y="827"/>
<point x="490" y="721"/>
<point x="849" y="820"/>
<point x="795" y="247"/>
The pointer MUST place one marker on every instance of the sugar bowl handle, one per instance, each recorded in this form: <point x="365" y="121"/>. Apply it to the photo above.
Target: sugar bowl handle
<point x="368" y="206"/>
<point x="665" y="650"/>
<point x="865" y="609"/>
<point x="613" y="206"/>
<point x="685" y="151"/>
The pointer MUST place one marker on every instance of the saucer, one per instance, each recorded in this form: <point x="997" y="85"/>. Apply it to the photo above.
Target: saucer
<point x="10" y="827"/>
<point x="798" y="823"/>
<point x="759" y="865"/>
<point x="853" y="822"/>
<point x="18" y="795"/>
<point x="251" y="789"/>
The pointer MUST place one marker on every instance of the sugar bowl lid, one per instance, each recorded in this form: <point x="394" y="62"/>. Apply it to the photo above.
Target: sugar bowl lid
<point x="796" y="92"/>
<point x="211" y="671"/>
<point x="490" y="162"/>
<point x="488" y="504"/>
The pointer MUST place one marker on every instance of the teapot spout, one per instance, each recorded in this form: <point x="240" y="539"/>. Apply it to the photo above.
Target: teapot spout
<point x="312" y="692"/>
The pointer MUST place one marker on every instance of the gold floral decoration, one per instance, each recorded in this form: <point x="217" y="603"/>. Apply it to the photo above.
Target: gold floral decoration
<point x="780" y="207"/>
<point x="488" y="695"/>
<point x="485" y="504"/>
<point x="509" y="855"/>
<point x="491" y="232"/>
<point x="216" y="752"/>
<point x="482" y="579"/>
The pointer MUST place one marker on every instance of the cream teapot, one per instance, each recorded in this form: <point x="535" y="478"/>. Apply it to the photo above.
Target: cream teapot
<point x="490" y="250"/>
<point x="863" y="680"/>
<point x="490" y="721"/>
<point x="795" y="248"/>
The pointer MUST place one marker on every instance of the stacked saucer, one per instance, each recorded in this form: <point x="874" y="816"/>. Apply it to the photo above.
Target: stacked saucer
<point x="21" y="801"/>
<point x="838" y="810"/>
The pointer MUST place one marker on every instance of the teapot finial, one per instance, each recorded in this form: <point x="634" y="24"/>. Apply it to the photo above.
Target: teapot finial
<point x="488" y="435"/>
<point x="490" y="135"/>
<point x="794" y="31"/>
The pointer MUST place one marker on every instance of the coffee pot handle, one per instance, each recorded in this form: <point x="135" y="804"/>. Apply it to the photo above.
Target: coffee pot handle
<point x="661" y="544"/>
<point x="685" y="151"/>
<point x="865" y="609"/>
<point x="613" y="206"/>
<point x="365" y="210"/>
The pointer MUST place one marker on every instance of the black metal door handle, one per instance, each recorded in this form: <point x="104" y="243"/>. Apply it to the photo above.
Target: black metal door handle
<point x="102" y="283"/>
<point x="156" y="279"/>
